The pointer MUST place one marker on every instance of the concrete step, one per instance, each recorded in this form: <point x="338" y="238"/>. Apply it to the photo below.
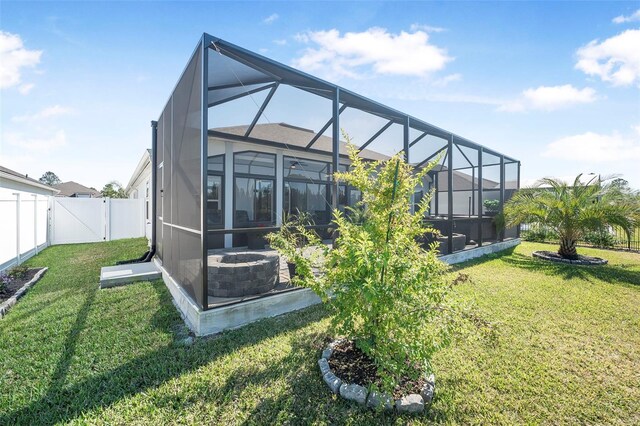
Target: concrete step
<point x="111" y="276"/>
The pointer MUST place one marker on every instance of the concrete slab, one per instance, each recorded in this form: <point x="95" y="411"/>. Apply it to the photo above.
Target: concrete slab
<point x="111" y="276"/>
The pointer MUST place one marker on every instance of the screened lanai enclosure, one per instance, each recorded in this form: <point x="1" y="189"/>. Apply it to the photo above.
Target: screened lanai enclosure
<point x="244" y="140"/>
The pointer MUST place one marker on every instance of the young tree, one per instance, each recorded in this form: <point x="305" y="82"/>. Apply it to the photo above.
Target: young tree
<point x="113" y="189"/>
<point x="50" y="178"/>
<point x="571" y="210"/>
<point x="387" y="293"/>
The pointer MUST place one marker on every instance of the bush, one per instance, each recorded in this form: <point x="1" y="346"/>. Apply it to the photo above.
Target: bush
<point x="492" y="206"/>
<point x="601" y="238"/>
<point x="5" y="280"/>
<point x="539" y="235"/>
<point x="386" y="293"/>
<point x="18" y="272"/>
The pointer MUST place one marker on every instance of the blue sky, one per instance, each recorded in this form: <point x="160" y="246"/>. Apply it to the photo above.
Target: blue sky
<point x="556" y="85"/>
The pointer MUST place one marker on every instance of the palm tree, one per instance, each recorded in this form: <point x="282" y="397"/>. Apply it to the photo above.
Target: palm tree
<point x="571" y="210"/>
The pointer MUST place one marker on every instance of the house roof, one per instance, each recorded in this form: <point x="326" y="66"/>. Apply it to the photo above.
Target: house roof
<point x="68" y="189"/>
<point x="295" y="136"/>
<point x="7" y="173"/>
<point x="462" y="180"/>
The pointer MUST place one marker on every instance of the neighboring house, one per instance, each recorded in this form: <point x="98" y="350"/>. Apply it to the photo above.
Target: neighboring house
<point x="139" y="188"/>
<point x="24" y="204"/>
<point x="76" y="190"/>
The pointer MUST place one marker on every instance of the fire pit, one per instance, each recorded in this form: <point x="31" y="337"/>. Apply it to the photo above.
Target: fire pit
<point x="242" y="274"/>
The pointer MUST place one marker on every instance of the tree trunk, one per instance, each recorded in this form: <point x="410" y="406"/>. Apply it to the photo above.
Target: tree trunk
<point x="568" y="249"/>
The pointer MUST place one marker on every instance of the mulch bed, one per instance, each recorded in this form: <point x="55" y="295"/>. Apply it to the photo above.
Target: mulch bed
<point x="353" y="366"/>
<point x="580" y="260"/>
<point x="16" y="284"/>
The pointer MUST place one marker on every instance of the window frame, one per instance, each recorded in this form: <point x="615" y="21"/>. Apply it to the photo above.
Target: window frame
<point x="256" y="177"/>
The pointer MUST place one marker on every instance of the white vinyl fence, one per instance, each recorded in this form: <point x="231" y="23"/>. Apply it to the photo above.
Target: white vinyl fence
<point x="23" y="226"/>
<point x="86" y="220"/>
<point x="30" y="222"/>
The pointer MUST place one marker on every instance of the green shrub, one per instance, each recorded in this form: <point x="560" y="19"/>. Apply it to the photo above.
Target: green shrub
<point x="386" y="293"/>
<point x="492" y="206"/>
<point x="5" y="280"/>
<point x="18" y="272"/>
<point x="601" y="238"/>
<point x="539" y="234"/>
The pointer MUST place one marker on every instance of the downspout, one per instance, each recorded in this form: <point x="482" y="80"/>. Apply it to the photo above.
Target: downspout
<point x="154" y="179"/>
<point x="152" y="251"/>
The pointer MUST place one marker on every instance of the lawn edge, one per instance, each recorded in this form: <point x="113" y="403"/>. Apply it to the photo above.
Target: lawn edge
<point x="7" y="304"/>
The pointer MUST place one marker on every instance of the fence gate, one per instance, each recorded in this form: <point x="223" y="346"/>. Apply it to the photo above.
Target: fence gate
<point x="85" y="220"/>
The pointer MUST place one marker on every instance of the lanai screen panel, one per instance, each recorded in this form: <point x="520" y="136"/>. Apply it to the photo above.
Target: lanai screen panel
<point x="180" y="201"/>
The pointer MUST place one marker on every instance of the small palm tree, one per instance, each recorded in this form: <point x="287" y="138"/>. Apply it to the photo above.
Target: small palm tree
<point x="571" y="210"/>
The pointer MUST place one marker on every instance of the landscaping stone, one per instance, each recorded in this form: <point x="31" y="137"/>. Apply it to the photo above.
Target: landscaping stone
<point x="7" y="304"/>
<point x="332" y="381"/>
<point x="324" y="366"/>
<point x="412" y="403"/>
<point x="581" y="260"/>
<point x="353" y="392"/>
<point x="187" y="341"/>
<point x="326" y="354"/>
<point x="427" y="393"/>
<point x="376" y="399"/>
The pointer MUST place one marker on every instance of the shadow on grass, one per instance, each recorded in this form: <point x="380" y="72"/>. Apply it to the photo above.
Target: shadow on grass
<point x="63" y="402"/>
<point x="612" y="274"/>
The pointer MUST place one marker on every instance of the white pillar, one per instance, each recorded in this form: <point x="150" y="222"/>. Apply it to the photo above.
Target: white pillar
<point x="35" y="222"/>
<point x="17" y="226"/>
<point x="279" y="187"/>
<point x="228" y="192"/>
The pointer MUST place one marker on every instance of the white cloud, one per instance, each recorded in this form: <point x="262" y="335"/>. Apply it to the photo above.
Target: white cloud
<point x="52" y="111"/>
<point x="635" y="16"/>
<point x="549" y="98"/>
<point x="280" y="42"/>
<point x="42" y="144"/>
<point x="14" y="57"/>
<point x="427" y="28"/>
<point x="336" y="55"/>
<point x="271" y="18"/>
<point x="615" y="60"/>
<point x="26" y="88"/>
<point x="444" y="81"/>
<point x="595" y="148"/>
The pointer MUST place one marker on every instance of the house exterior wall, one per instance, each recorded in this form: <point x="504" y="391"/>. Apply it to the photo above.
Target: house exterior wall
<point x="140" y="188"/>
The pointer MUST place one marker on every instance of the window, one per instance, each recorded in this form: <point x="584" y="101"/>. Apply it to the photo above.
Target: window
<point x="255" y="163"/>
<point x="306" y="188"/>
<point x="295" y="168"/>
<point x="308" y="197"/>
<point x="254" y="183"/>
<point x="146" y="201"/>
<point x="215" y="177"/>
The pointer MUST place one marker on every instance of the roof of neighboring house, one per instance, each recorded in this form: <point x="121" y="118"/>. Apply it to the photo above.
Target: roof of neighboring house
<point x="145" y="161"/>
<point x="462" y="180"/>
<point x="7" y="173"/>
<point x="296" y="136"/>
<point x="71" y="188"/>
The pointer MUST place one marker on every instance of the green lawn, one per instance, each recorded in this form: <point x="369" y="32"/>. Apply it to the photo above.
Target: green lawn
<point x="567" y="351"/>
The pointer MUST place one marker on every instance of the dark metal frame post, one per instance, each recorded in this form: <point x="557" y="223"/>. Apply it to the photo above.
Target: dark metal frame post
<point x="450" y="193"/>
<point x="154" y="178"/>
<point x="335" y="150"/>
<point x="405" y="148"/>
<point x="204" y="166"/>
<point x="518" y="188"/>
<point x="501" y="235"/>
<point x="480" y="196"/>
